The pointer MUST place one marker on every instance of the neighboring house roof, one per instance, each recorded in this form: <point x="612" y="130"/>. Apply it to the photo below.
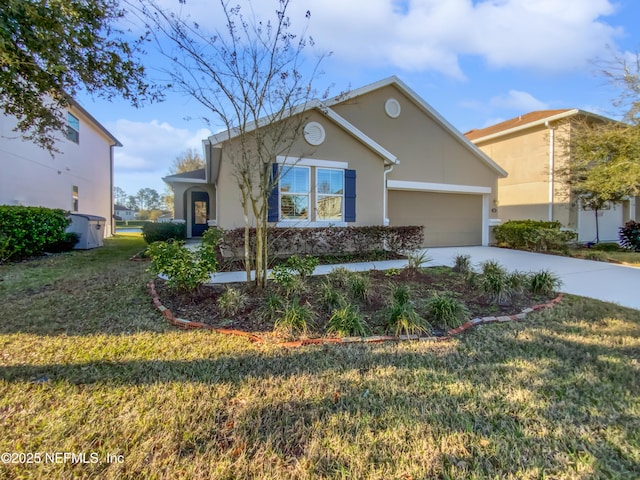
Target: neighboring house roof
<point x="528" y="120"/>
<point x="325" y="108"/>
<point x="120" y="207"/>
<point x="198" y="175"/>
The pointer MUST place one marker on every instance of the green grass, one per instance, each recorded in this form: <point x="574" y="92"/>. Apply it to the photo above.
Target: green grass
<point x="86" y="365"/>
<point x="632" y="258"/>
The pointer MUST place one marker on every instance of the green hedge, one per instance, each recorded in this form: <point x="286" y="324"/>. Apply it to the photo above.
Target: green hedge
<point x="161" y="232"/>
<point x="28" y="231"/>
<point x="533" y="235"/>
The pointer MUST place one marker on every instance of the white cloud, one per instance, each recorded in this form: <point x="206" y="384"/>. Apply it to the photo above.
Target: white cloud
<point x="520" y="101"/>
<point x="420" y="35"/>
<point x="148" y="151"/>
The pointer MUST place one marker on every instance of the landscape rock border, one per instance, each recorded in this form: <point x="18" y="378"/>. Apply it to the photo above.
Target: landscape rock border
<point x="189" y="325"/>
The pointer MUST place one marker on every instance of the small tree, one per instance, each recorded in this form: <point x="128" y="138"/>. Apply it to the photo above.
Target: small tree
<point x="603" y="164"/>
<point x="250" y="77"/>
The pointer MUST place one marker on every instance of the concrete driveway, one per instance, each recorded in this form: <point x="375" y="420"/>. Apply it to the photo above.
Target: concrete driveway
<point x="604" y="281"/>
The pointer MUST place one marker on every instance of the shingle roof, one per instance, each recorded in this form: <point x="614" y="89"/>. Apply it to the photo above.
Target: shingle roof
<point x="513" y="123"/>
<point x="198" y="174"/>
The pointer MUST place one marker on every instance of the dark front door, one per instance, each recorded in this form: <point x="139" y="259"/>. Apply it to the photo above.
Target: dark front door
<point x="199" y="213"/>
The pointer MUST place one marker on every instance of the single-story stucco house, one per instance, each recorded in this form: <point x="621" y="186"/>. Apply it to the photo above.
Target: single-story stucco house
<point x="378" y="155"/>
<point x="531" y="148"/>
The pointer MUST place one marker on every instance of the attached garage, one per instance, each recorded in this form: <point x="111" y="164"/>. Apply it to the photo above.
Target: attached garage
<point x="449" y="218"/>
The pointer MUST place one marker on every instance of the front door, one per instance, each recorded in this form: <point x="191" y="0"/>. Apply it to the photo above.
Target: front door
<point x="199" y="213"/>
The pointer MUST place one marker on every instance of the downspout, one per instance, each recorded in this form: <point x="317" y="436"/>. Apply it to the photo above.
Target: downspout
<point x="551" y="168"/>
<point x="385" y="216"/>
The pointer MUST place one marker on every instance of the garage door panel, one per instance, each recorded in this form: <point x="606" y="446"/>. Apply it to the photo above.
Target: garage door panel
<point x="449" y="219"/>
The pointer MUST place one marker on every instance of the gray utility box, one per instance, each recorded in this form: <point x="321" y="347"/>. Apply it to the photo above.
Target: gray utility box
<point x="90" y="229"/>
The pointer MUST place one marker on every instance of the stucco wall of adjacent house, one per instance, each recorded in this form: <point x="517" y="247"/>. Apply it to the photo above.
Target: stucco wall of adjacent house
<point x="32" y="177"/>
<point x="427" y="152"/>
<point x="338" y="146"/>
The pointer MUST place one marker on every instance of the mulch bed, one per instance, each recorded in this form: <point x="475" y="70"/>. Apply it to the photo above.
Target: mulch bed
<point x="200" y="305"/>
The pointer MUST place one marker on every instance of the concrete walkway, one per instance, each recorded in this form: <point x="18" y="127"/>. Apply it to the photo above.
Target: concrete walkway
<point x="603" y="281"/>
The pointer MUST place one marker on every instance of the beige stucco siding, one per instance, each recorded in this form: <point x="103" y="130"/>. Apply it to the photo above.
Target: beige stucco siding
<point x="449" y="219"/>
<point x="426" y="151"/>
<point x="338" y="146"/>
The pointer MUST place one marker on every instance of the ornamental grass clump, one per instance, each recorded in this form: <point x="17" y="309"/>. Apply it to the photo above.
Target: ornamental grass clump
<point x="295" y="318"/>
<point x="347" y="321"/>
<point x="495" y="283"/>
<point x="544" y="282"/>
<point x="446" y="311"/>
<point x="360" y="287"/>
<point x="330" y="297"/>
<point x="231" y="301"/>
<point x="462" y="264"/>
<point x="401" y="314"/>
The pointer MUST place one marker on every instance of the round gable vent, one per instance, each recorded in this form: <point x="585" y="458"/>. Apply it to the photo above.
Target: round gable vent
<point x="314" y="133"/>
<point x="392" y="107"/>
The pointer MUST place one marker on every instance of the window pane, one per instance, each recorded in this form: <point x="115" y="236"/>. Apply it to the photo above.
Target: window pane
<point x="294" y="207"/>
<point x="294" y="180"/>
<point x="73" y="122"/>
<point x="330" y="181"/>
<point x="200" y="213"/>
<point x="330" y="208"/>
<point x="73" y="128"/>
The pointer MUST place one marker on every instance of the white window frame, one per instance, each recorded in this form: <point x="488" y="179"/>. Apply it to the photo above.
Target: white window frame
<point x="69" y="127"/>
<point x="281" y="194"/>
<point x="75" y="198"/>
<point x="319" y="195"/>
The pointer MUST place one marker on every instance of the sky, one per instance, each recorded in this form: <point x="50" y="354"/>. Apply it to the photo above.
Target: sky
<point x="476" y="62"/>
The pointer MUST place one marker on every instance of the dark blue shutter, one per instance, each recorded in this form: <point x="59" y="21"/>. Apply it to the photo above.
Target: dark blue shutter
<point x="273" y="214"/>
<point x="349" y="195"/>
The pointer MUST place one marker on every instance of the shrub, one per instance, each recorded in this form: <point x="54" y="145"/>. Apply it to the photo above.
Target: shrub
<point x="533" y="235"/>
<point x="518" y="282"/>
<point x="295" y="318"/>
<point x="330" y="297"/>
<point x="462" y="264"/>
<point x="26" y="231"/>
<point x="347" y="321"/>
<point x="302" y="266"/>
<point x="185" y="269"/>
<point x="630" y="236"/>
<point x="291" y="275"/>
<point x="401" y="313"/>
<point x="446" y="310"/>
<point x="212" y="236"/>
<point x="544" y="282"/>
<point x="327" y="240"/>
<point x="67" y="243"/>
<point x="606" y="247"/>
<point x="231" y="301"/>
<point x="494" y="282"/>
<point x="163" y="232"/>
<point x="360" y="287"/>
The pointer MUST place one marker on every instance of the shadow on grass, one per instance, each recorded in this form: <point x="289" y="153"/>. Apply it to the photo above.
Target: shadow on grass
<point x="555" y="395"/>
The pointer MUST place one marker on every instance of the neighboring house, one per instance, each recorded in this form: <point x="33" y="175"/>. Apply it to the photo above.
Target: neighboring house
<point x="379" y="155"/>
<point x="124" y="213"/>
<point x="78" y="179"/>
<point x="531" y="147"/>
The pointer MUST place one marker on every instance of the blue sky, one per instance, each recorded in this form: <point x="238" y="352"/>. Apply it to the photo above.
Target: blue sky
<point x="475" y="62"/>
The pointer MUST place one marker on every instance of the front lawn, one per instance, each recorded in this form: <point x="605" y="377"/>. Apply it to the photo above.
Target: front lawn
<point x="88" y="366"/>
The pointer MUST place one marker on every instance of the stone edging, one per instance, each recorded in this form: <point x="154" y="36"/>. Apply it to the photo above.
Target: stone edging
<point x="189" y="325"/>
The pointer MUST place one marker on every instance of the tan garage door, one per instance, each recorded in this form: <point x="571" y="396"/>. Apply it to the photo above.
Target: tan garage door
<point x="449" y="219"/>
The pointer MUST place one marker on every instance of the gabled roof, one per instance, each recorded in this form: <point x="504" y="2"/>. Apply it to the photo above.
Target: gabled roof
<point x="321" y="107"/>
<point x="198" y="175"/>
<point x="528" y="120"/>
<point x="426" y="108"/>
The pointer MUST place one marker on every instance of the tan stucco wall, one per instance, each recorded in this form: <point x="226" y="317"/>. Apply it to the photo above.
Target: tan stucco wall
<point x="524" y="194"/>
<point x="338" y="146"/>
<point x="427" y="152"/>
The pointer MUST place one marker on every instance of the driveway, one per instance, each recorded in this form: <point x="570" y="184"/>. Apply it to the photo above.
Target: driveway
<point x="604" y="281"/>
